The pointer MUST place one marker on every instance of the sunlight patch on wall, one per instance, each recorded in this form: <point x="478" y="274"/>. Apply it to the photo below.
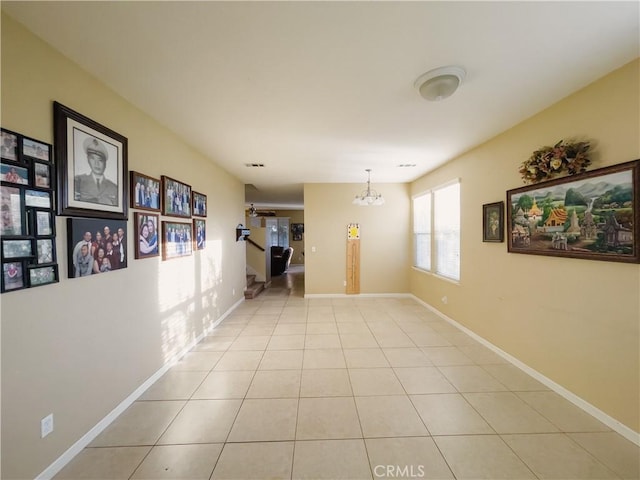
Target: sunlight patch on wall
<point x="177" y="283"/>
<point x="177" y="331"/>
<point x="211" y="265"/>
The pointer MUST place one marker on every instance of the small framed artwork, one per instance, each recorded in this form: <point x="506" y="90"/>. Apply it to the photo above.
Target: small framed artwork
<point x="43" y="275"/>
<point x="92" y="166"/>
<point x="14" y="174"/>
<point x="96" y="246"/>
<point x="145" y="192"/>
<point x="199" y="234"/>
<point x="42" y="174"/>
<point x="199" y="205"/>
<point x="44" y="247"/>
<point x="9" y="147"/>
<point x="147" y="244"/>
<point x="36" y="198"/>
<point x="593" y="215"/>
<point x="297" y="229"/>
<point x="176" y="198"/>
<point x="176" y="240"/>
<point x="34" y="149"/>
<point x="12" y="276"/>
<point x="44" y="223"/>
<point x="17" y="249"/>
<point x="493" y="222"/>
<point x="11" y="211"/>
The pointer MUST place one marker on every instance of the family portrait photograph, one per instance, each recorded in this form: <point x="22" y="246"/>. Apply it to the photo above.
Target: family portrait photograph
<point x="176" y="240"/>
<point x="145" y="192"/>
<point x="199" y="205"/>
<point x="96" y="246"/>
<point x="176" y="199"/>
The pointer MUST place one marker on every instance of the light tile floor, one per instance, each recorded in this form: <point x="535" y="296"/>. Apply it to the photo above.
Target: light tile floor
<point x="352" y="388"/>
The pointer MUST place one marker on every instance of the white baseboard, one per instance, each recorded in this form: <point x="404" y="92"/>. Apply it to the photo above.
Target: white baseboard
<point x="358" y="295"/>
<point x="611" y="422"/>
<point x="88" y="437"/>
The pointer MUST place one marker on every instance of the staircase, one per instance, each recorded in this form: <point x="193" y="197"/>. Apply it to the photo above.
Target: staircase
<point x="253" y="288"/>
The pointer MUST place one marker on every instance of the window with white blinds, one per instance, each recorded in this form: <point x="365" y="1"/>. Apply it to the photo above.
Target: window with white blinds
<point x="436" y="226"/>
<point x="422" y="231"/>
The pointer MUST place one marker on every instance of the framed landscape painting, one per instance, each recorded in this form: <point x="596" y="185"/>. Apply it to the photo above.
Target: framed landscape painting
<point x="593" y="215"/>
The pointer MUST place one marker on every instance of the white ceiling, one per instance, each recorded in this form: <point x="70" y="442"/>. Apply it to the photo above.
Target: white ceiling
<point x="320" y="91"/>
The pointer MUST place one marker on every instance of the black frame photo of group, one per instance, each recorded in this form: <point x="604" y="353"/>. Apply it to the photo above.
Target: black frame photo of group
<point x="87" y="238"/>
<point x="27" y="220"/>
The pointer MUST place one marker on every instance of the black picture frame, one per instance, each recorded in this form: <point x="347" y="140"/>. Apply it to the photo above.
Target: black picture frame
<point x="27" y="217"/>
<point x="77" y="232"/>
<point x="42" y="275"/>
<point x="9" y="145"/>
<point x="493" y="222"/>
<point x="82" y="147"/>
<point x="14" y="173"/>
<point x="13" y="276"/>
<point x="593" y="215"/>
<point x="297" y="231"/>
<point x="12" y="211"/>
<point x="42" y="176"/>
<point x="141" y="199"/>
<point x="36" y="149"/>
<point x="17" y="248"/>
<point x="176" y="198"/>
<point x="45" y="251"/>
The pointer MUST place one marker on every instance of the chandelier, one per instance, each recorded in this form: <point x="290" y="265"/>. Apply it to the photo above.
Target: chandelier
<point x="252" y="211"/>
<point x="368" y="196"/>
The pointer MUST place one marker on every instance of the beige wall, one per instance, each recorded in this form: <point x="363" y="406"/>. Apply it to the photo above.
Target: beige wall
<point x="575" y="321"/>
<point x="384" y="245"/>
<point x="80" y="347"/>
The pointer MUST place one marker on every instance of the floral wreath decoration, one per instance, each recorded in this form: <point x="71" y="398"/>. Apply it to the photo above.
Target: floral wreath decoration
<point x="547" y="162"/>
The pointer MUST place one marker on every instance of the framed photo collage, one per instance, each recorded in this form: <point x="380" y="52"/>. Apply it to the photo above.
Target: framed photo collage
<point x="172" y="198"/>
<point x="93" y="182"/>
<point x="27" y="213"/>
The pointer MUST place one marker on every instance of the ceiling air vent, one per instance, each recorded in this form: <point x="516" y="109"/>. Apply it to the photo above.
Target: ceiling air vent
<point x="254" y="165"/>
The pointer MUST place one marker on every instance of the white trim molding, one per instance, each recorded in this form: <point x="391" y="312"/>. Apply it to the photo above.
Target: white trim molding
<point x="579" y="402"/>
<point x="49" y="472"/>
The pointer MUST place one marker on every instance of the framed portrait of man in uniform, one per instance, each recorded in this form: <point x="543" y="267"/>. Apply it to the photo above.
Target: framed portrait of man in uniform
<point x="92" y="167"/>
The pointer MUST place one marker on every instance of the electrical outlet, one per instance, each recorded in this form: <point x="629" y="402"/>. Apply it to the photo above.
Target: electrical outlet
<point x="46" y="425"/>
<point x="345" y="283"/>
<point x="445" y="300"/>
<point x="313" y="249"/>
